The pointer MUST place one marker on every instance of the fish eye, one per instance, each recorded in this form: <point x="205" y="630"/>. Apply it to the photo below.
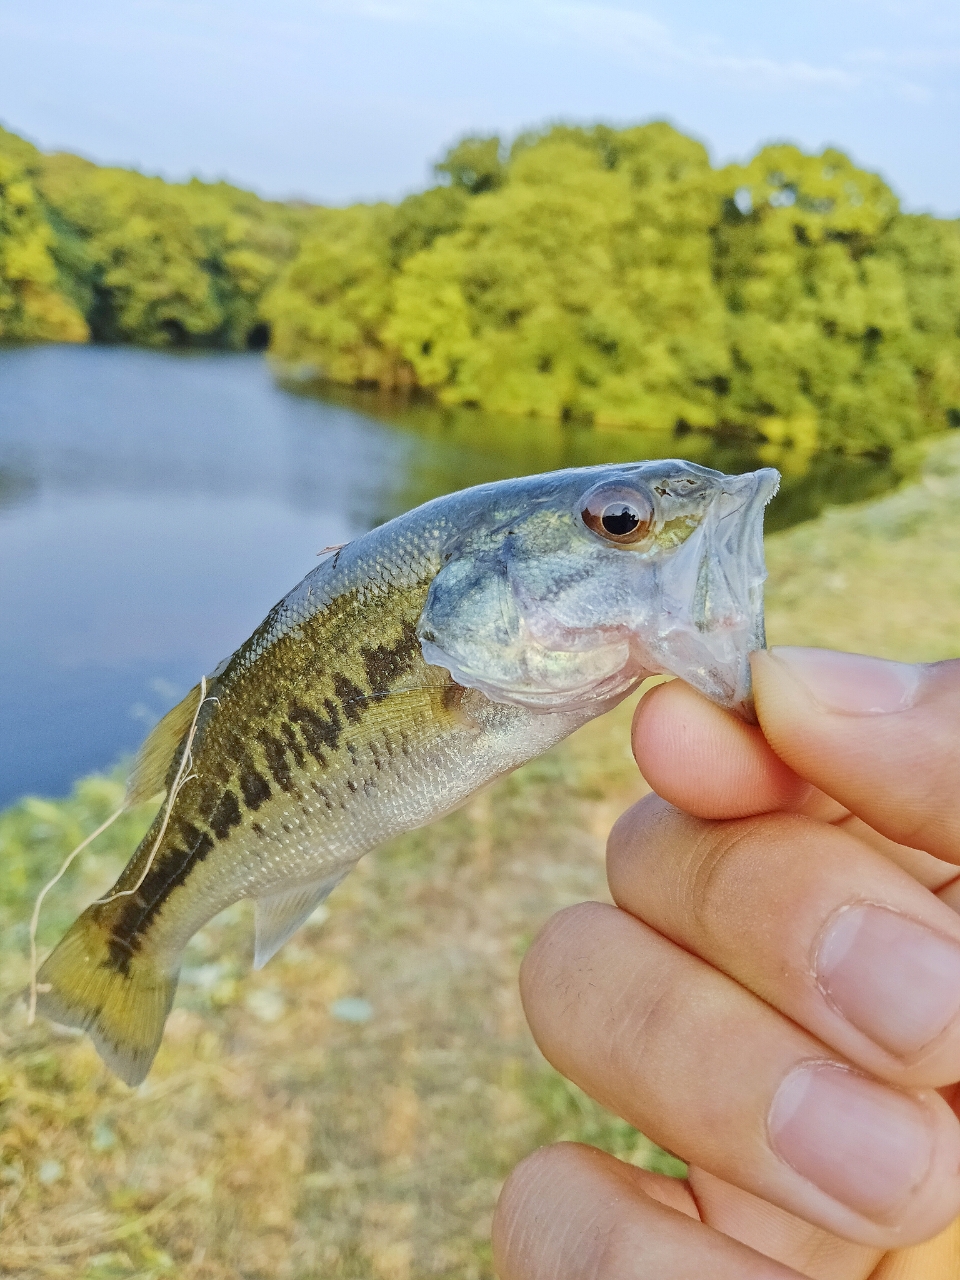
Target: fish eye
<point x="619" y="513"/>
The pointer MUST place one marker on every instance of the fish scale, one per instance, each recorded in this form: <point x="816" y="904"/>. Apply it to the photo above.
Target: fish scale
<point x="409" y="669"/>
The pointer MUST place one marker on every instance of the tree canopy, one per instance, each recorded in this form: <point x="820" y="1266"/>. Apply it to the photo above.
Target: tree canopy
<point x="32" y="307"/>
<point x="614" y="277"/>
<point x="135" y="259"/>
<point x="590" y="274"/>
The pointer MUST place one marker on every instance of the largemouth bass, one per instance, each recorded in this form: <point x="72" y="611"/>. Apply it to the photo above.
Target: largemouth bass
<point x="409" y="669"/>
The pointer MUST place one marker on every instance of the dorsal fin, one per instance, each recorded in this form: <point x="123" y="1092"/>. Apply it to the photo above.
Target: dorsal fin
<point x="149" y="774"/>
<point x="279" y="915"/>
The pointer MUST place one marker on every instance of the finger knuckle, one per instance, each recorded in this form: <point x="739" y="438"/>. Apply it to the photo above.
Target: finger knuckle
<point x="723" y="865"/>
<point x="644" y="1017"/>
<point x="715" y="868"/>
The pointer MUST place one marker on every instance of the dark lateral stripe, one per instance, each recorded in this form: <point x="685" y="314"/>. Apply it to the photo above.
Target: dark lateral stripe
<point x="386" y="663"/>
<point x="254" y="787"/>
<point x="225" y="815"/>
<point x="168" y="872"/>
<point x="318" y="732"/>
<point x="322" y="733"/>
<point x="293" y="743"/>
<point x="275" y="753"/>
<point x="351" y="697"/>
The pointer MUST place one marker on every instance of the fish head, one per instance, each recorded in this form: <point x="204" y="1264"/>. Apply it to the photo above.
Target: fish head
<point x="566" y="590"/>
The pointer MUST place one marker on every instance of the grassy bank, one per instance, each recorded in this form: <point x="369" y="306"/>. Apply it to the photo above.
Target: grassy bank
<point x="278" y="1138"/>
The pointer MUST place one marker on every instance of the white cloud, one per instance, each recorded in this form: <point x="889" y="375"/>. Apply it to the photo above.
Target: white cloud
<point x="632" y="34"/>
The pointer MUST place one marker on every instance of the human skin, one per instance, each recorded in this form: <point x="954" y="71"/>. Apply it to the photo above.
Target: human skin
<point x="775" y="995"/>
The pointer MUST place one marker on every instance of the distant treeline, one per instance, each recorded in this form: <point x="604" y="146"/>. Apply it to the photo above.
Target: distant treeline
<point x="596" y="275"/>
<point x="113" y="256"/>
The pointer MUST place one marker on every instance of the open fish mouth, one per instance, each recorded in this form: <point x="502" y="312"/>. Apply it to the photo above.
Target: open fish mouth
<point x="713" y="599"/>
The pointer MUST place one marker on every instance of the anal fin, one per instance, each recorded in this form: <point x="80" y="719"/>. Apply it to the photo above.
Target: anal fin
<point x="280" y="915"/>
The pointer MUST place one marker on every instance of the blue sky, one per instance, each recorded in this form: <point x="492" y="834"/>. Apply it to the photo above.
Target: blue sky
<point x="336" y="100"/>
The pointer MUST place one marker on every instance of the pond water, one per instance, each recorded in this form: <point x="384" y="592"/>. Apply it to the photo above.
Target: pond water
<point x="153" y="507"/>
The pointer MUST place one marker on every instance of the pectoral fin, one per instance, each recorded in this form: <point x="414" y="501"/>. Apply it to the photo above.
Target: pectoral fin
<point x="280" y="915"/>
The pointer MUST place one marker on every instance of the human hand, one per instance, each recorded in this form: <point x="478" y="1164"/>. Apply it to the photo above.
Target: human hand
<point x="775" y="997"/>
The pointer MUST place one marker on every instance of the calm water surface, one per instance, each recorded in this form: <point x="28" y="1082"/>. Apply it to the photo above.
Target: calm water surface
<point x="154" y="507"/>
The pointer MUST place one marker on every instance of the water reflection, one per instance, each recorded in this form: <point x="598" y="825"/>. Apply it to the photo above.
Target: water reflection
<point x="154" y="507"/>
<point x="457" y="447"/>
<point x="93" y="421"/>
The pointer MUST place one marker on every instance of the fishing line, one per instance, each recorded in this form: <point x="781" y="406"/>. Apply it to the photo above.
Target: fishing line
<point x="179" y="783"/>
<point x="35" y="918"/>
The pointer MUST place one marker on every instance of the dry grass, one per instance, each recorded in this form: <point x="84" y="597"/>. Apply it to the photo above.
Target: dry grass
<point x="880" y="578"/>
<point x="272" y="1139"/>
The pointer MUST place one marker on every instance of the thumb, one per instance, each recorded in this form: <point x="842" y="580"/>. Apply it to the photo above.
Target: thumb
<point x="882" y="738"/>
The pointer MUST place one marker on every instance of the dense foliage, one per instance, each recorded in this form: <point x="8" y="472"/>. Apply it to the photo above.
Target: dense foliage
<point x="614" y="277"/>
<point x="134" y="259"/>
<point x="600" y="275"/>
<point x="32" y="307"/>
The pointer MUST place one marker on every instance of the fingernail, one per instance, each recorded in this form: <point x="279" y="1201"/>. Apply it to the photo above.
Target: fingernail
<point x="896" y="980"/>
<point x="864" y="1144"/>
<point x="852" y="683"/>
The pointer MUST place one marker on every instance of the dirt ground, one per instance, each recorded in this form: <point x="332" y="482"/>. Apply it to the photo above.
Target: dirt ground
<point x="352" y="1110"/>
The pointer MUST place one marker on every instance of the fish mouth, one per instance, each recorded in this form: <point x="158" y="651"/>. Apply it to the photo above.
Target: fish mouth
<point x="713" y="598"/>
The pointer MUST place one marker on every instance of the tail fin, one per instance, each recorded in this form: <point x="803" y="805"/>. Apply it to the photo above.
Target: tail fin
<point x="122" y="1004"/>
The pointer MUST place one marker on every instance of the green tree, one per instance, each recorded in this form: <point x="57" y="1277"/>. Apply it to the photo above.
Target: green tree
<point x="165" y="264"/>
<point x="580" y="288"/>
<point x="475" y="165"/>
<point x="818" y="316"/>
<point x="612" y="276"/>
<point x="32" y="306"/>
<point x="330" y="309"/>
<point x="603" y="275"/>
<point x="925" y="254"/>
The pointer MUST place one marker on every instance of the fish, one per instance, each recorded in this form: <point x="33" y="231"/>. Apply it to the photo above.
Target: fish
<point x="408" y="670"/>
